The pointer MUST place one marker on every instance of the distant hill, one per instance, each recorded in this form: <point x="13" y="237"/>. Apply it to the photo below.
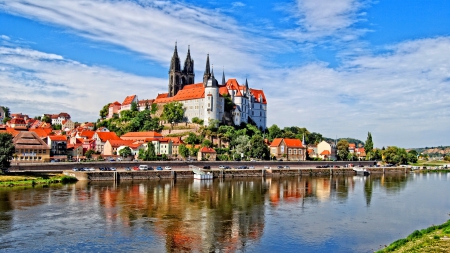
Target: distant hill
<point x="433" y="151"/>
<point x="350" y="140"/>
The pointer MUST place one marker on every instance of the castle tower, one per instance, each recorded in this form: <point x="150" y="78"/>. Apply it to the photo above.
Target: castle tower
<point x="175" y="74"/>
<point x="188" y="70"/>
<point x="212" y="100"/>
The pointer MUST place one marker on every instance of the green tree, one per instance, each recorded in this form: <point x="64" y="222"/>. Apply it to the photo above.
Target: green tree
<point x="134" y="107"/>
<point x="395" y="155"/>
<point x="183" y="150"/>
<point x="104" y="111"/>
<point x="342" y="150"/>
<point x="197" y="120"/>
<point x="368" y="146"/>
<point x="89" y="153"/>
<point x="192" y="139"/>
<point x="173" y="112"/>
<point x="46" y="119"/>
<point x="412" y="156"/>
<point x="274" y="132"/>
<point x="258" y="148"/>
<point x="149" y="153"/>
<point x="207" y="143"/>
<point x="7" y="114"/>
<point x="57" y="127"/>
<point x="125" y="152"/>
<point x="7" y="151"/>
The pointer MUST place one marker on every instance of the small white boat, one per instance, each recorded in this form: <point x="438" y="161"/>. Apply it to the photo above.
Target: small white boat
<point x="361" y="171"/>
<point x="198" y="174"/>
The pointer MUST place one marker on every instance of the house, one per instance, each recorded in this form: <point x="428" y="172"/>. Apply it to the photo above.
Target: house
<point x="141" y="136"/>
<point x="126" y="104"/>
<point x="58" y="146"/>
<point x="111" y="146"/>
<point x="67" y="125"/>
<point x="57" y="119"/>
<point x="75" y="151"/>
<point x="113" y="109"/>
<point x="101" y="138"/>
<point x="30" y="148"/>
<point x="18" y="124"/>
<point x="176" y="142"/>
<point x="326" y="151"/>
<point x="351" y="147"/>
<point x="360" y="153"/>
<point x="206" y="154"/>
<point x="287" y="149"/>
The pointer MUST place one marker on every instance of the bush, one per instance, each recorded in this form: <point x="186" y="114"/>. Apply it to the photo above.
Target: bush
<point x="68" y="179"/>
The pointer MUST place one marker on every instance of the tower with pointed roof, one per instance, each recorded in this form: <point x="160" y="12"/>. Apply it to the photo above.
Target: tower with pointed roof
<point x="207" y="73"/>
<point x="213" y="103"/>
<point x="179" y="78"/>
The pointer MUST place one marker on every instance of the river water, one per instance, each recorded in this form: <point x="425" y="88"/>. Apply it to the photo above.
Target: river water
<point x="288" y="214"/>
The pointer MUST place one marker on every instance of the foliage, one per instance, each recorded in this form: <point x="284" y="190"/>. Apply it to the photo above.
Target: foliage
<point x="207" y="143"/>
<point x="412" y="156"/>
<point x="104" y="111"/>
<point x="183" y="150"/>
<point x="7" y="114"/>
<point x="132" y="122"/>
<point x="258" y="148"/>
<point x="173" y="112"/>
<point x="149" y="154"/>
<point x="229" y="105"/>
<point x="89" y="153"/>
<point x="125" y="152"/>
<point x="342" y="150"/>
<point x="7" y="150"/>
<point x="192" y="139"/>
<point x="57" y="127"/>
<point x="368" y="146"/>
<point x="46" y="119"/>
<point x="134" y="107"/>
<point x="154" y="108"/>
<point x="395" y="155"/>
<point x="274" y="132"/>
<point x="196" y="120"/>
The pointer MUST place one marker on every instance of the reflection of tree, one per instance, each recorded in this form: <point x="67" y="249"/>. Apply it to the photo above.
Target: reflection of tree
<point x="368" y="186"/>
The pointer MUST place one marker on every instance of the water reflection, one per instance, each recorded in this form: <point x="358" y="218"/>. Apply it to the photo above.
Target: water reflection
<point x="181" y="215"/>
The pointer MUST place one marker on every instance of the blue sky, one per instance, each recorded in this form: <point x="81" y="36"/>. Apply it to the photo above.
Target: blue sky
<point x="340" y="68"/>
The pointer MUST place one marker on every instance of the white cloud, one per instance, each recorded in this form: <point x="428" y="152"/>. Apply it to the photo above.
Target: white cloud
<point x="152" y="27"/>
<point x="237" y="4"/>
<point x="4" y="37"/>
<point x="35" y="83"/>
<point x="400" y="96"/>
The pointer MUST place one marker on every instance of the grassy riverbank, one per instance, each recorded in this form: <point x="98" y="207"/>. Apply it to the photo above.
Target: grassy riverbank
<point x="432" y="239"/>
<point x="32" y="180"/>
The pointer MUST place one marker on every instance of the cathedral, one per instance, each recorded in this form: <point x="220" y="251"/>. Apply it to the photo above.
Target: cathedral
<point x="205" y="100"/>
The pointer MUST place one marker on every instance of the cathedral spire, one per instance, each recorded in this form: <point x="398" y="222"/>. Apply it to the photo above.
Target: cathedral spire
<point x="175" y="63"/>
<point x="207" y="73"/>
<point x="223" y="77"/>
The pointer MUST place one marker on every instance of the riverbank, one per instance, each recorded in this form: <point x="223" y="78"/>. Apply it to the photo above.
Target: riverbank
<point x="34" y="179"/>
<point x="432" y="239"/>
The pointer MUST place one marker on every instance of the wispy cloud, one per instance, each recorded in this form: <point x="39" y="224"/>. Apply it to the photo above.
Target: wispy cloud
<point x="35" y="82"/>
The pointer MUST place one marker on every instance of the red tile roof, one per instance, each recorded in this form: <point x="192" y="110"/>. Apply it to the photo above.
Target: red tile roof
<point x="57" y="138"/>
<point x="115" y="104"/>
<point x="118" y="143"/>
<point x="325" y="152"/>
<point x="257" y="93"/>
<point x="104" y="136"/>
<point x="276" y="142"/>
<point x="232" y="84"/>
<point x="191" y="91"/>
<point x="128" y="100"/>
<point x="87" y="134"/>
<point x="207" y="150"/>
<point x="293" y="143"/>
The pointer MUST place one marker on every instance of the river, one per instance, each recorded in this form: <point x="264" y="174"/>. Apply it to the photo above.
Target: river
<point x="287" y="214"/>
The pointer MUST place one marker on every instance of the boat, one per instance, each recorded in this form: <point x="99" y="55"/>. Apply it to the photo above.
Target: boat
<point x="361" y="171"/>
<point x="201" y="175"/>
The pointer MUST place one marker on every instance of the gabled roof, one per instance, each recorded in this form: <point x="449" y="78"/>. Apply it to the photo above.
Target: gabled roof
<point x="18" y="121"/>
<point x="276" y="142"/>
<point x="232" y="84"/>
<point x="207" y="150"/>
<point x="115" y="104"/>
<point x="257" y="94"/>
<point x="176" y="140"/>
<point x="351" y="145"/>
<point x="104" y="136"/>
<point x="128" y="100"/>
<point x="293" y="143"/>
<point x="42" y="132"/>
<point x="29" y="140"/>
<point x="86" y="133"/>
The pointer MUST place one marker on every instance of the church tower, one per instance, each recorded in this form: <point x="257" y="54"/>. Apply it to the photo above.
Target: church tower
<point x="188" y="70"/>
<point x="175" y="74"/>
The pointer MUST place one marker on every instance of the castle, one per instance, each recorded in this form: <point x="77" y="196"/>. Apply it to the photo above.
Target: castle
<point x="206" y="100"/>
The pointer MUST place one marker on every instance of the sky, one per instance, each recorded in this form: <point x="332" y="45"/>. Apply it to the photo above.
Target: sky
<point x="341" y="68"/>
